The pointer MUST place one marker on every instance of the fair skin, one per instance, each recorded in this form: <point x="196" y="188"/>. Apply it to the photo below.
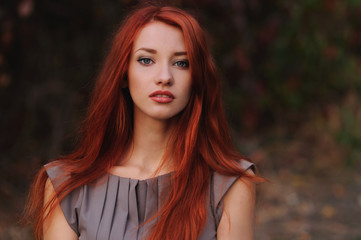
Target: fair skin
<point x="237" y="221"/>
<point x="159" y="62"/>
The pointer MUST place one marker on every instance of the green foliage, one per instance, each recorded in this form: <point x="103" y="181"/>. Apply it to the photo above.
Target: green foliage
<point x="303" y="53"/>
<point x="312" y="59"/>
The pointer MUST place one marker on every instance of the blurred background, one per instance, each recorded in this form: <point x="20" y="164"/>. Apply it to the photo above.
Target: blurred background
<point x="291" y="75"/>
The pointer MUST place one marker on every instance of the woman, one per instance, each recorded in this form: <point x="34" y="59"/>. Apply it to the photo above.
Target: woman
<point x="155" y="160"/>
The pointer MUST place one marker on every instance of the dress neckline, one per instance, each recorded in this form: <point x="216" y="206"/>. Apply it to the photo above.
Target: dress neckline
<point x="141" y="180"/>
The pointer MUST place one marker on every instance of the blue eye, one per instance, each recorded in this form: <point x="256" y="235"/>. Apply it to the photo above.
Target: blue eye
<point x="182" y="64"/>
<point x="145" y="61"/>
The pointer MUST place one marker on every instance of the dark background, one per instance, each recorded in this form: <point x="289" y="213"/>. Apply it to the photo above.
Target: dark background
<point x="291" y="75"/>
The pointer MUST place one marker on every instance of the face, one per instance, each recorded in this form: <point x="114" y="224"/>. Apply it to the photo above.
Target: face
<point x="159" y="78"/>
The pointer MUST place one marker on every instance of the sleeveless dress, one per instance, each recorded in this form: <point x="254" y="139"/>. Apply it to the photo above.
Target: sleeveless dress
<point x="115" y="208"/>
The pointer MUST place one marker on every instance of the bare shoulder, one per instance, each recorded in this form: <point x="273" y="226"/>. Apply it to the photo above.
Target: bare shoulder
<point x="238" y="211"/>
<point x="55" y="225"/>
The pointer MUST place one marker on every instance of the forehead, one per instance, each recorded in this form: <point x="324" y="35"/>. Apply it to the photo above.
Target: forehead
<point x="160" y="36"/>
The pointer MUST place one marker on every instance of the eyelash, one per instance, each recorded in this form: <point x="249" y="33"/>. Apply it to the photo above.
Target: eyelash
<point x="184" y="63"/>
<point x="148" y="61"/>
<point x="143" y="59"/>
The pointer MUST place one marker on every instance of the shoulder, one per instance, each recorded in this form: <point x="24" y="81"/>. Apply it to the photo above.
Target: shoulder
<point x="232" y="199"/>
<point x="65" y="210"/>
<point x="60" y="181"/>
<point x="55" y="224"/>
<point x="56" y="173"/>
<point x="241" y="193"/>
<point x="238" y="210"/>
<point x="221" y="184"/>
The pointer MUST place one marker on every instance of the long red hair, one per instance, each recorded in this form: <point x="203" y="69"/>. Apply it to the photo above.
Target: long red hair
<point x="199" y="144"/>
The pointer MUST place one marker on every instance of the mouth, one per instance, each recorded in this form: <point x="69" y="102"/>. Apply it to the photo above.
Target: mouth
<point x="162" y="96"/>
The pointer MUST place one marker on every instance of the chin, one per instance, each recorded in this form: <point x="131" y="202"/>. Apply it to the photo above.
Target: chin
<point x="164" y="117"/>
<point x="161" y="114"/>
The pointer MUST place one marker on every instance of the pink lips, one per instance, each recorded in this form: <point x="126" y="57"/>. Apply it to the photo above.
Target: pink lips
<point x="162" y="96"/>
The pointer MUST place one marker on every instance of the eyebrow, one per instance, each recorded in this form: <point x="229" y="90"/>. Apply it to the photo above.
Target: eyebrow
<point x="153" y="51"/>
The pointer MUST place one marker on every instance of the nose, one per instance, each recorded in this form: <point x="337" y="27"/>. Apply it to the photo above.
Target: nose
<point x="164" y="76"/>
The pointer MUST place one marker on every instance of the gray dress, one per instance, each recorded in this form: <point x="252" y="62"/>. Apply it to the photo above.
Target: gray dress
<point x="115" y="208"/>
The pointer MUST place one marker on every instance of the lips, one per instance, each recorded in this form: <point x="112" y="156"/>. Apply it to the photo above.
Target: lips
<point x="162" y="96"/>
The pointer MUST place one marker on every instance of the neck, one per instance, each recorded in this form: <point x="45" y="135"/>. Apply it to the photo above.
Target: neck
<point x="150" y="138"/>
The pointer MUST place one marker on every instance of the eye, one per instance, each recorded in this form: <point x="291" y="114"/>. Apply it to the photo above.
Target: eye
<point x="182" y="64"/>
<point x="145" y="61"/>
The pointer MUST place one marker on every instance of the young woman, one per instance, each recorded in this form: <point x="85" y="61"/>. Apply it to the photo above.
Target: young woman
<point x="155" y="160"/>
